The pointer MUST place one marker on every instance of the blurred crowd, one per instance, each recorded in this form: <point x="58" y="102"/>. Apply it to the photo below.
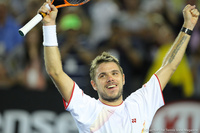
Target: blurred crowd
<point x="138" y="32"/>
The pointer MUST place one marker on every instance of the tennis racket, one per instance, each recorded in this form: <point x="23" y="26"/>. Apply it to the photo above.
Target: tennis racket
<point x="58" y="3"/>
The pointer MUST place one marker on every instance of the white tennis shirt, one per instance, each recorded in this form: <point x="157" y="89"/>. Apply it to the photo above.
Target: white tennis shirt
<point x="133" y="115"/>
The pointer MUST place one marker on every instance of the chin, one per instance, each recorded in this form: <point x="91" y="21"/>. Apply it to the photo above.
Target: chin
<point x="112" y="99"/>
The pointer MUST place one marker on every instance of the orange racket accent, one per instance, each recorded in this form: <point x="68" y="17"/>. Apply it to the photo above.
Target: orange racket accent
<point x="68" y="4"/>
<point x="43" y="14"/>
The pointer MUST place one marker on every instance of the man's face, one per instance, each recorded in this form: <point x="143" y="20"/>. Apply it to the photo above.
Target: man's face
<point x="109" y="82"/>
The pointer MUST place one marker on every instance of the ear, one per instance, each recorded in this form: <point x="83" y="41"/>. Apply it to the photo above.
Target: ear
<point x="123" y="79"/>
<point x="93" y="85"/>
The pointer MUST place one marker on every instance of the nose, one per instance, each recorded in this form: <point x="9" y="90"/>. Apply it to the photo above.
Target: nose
<point x="110" y="78"/>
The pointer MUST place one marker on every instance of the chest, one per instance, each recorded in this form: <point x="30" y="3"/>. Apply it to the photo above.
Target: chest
<point x="118" y="121"/>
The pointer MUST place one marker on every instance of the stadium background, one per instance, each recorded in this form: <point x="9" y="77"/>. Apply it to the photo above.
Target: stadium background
<point x="137" y="32"/>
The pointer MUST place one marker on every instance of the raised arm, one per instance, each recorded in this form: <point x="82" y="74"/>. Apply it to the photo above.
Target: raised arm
<point x="175" y="54"/>
<point x="52" y="54"/>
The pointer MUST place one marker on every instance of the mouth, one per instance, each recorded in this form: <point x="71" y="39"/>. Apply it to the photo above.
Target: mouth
<point x="111" y="86"/>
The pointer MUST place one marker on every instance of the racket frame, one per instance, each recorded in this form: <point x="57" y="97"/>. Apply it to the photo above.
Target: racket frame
<point x="68" y="4"/>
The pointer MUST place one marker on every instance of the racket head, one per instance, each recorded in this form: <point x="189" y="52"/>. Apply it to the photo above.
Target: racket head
<point x="66" y="3"/>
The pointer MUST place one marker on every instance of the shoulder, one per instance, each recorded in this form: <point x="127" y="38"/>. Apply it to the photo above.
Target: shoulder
<point x="147" y="91"/>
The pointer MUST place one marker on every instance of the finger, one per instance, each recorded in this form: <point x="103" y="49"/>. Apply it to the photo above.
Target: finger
<point x="186" y="7"/>
<point x="53" y="8"/>
<point x="195" y="12"/>
<point x="189" y="7"/>
<point x="43" y="9"/>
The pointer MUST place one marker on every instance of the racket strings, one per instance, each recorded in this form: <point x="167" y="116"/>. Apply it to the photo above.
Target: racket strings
<point x="75" y="1"/>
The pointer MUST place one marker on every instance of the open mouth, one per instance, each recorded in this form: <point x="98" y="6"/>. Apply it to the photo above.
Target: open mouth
<point x="111" y="86"/>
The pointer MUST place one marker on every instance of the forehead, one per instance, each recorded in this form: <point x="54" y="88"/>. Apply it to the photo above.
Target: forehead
<point x="107" y="67"/>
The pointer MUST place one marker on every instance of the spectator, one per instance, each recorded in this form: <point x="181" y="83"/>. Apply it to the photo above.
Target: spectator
<point x="102" y="12"/>
<point x="9" y="38"/>
<point x="133" y="19"/>
<point x="33" y="76"/>
<point x="18" y="9"/>
<point x="10" y="47"/>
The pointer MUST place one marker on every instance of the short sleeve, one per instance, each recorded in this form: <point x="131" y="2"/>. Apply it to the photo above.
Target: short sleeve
<point x="149" y="99"/>
<point x="81" y="106"/>
<point x="153" y="95"/>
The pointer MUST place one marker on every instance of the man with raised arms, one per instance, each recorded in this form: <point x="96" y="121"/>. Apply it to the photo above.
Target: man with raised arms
<point x="110" y="113"/>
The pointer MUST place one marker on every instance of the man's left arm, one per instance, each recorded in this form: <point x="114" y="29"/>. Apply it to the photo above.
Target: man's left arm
<point x="175" y="54"/>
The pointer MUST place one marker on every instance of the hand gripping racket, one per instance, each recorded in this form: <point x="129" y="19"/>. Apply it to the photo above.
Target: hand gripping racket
<point x="58" y="3"/>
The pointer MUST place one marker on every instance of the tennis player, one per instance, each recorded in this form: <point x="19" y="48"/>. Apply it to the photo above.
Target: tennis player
<point x="110" y="113"/>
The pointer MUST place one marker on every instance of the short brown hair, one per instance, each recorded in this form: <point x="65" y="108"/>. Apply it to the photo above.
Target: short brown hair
<point x="104" y="57"/>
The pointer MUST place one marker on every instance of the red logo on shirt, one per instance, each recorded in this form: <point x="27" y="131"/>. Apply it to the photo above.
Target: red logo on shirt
<point x="134" y="120"/>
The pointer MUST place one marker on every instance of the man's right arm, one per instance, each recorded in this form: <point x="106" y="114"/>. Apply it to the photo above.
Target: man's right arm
<point x="52" y="56"/>
<point x="54" y="68"/>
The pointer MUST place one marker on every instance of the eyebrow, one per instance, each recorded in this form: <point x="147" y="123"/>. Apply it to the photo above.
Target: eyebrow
<point x="115" y="71"/>
<point x="111" y="72"/>
<point x="102" y="73"/>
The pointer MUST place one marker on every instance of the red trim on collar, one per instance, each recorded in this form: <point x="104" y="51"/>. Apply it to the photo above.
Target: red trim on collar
<point x="111" y="105"/>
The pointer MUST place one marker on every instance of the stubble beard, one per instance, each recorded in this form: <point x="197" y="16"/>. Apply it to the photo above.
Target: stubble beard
<point x="111" y="99"/>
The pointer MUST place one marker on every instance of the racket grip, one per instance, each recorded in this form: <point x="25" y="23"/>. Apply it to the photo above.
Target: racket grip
<point x="32" y="23"/>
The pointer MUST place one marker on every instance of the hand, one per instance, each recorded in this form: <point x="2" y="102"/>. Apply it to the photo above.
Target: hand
<point x="191" y="15"/>
<point x="50" y="18"/>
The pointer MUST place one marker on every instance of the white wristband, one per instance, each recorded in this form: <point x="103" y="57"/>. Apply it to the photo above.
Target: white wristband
<point x="49" y="36"/>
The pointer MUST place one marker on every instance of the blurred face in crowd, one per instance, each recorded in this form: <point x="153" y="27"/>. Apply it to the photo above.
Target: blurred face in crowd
<point x="132" y="4"/>
<point x="3" y="12"/>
